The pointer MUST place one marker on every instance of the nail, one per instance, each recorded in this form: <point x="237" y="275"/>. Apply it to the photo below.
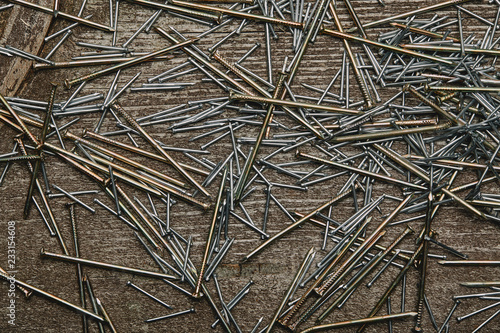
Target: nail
<point x="170" y="315"/>
<point x="105" y="315"/>
<point x="361" y="171"/>
<point x="347" y="47"/>
<point x="37" y="206"/>
<point x="44" y="199"/>
<point x="27" y="292"/>
<point x="363" y="321"/>
<point x="224" y="306"/>
<point x="491" y="306"/>
<point x="56" y="47"/>
<point x="63" y="15"/>
<point x="401" y="275"/>
<point x="50" y="296"/>
<point x="179" y="9"/>
<point x="236" y="299"/>
<point x="188" y="247"/>
<point x="93" y="301"/>
<point x="27" y="55"/>
<point x="72" y="197"/>
<point x="347" y="292"/>
<point x="457" y="302"/>
<point x="148" y="294"/>
<point x="372" y="281"/>
<point x="218" y="202"/>
<point x="95" y="62"/>
<point x="342" y="252"/>
<point x="93" y="263"/>
<point x="447" y="248"/>
<point x="415" y="12"/>
<point x="60" y="32"/>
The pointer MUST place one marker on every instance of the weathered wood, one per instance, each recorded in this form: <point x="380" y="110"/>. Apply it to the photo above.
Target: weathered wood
<point x="24" y="29"/>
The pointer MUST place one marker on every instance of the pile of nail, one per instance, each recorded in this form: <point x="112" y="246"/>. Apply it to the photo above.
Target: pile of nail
<point x="422" y="111"/>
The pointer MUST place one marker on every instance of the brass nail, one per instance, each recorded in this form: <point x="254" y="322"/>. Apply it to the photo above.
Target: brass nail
<point x="412" y="168"/>
<point x="178" y="9"/>
<point x="105" y="315"/>
<point x="393" y="285"/>
<point x="469" y="262"/>
<point x="307" y="259"/>
<point x="44" y="198"/>
<point x="363" y="321"/>
<point x="462" y="88"/>
<point x="19" y="121"/>
<point x="27" y="292"/>
<point x="207" y="64"/>
<point x="253" y="153"/>
<point x="37" y="165"/>
<point x="452" y="49"/>
<point x="342" y="253"/>
<point x="27" y="158"/>
<point x="358" y="281"/>
<point x="79" y="273"/>
<point x="210" y="234"/>
<point x="436" y="107"/>
<point x="275" y="101"/>
<point x="366" y="243"/>
<point x="49" y="296"/>
<point x="423" y="32"/>
<point x="386" y="46"/>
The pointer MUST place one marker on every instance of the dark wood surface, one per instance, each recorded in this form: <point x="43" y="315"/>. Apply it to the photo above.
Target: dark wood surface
<point x="103" y="237"/>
